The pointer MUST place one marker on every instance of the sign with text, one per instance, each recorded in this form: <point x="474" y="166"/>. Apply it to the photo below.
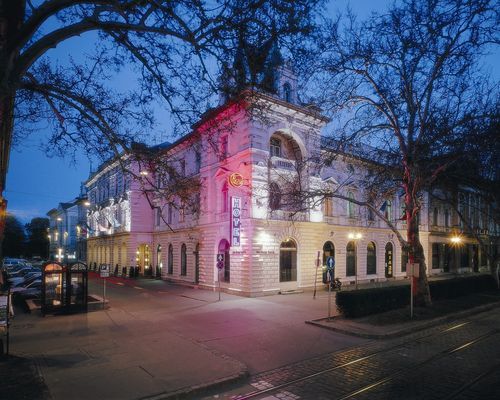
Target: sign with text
<point x="104" y="271"/>
<point x="412" y="270"/>
<point x="235" y="221"/>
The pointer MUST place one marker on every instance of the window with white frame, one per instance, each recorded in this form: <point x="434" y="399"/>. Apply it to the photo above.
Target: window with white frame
<point x="275" y="147"/>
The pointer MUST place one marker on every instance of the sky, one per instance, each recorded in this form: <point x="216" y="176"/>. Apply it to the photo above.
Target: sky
<point x="37" y="182"/>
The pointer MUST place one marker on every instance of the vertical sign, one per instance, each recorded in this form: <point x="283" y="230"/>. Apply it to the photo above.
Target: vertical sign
<point x="235" y="221"/>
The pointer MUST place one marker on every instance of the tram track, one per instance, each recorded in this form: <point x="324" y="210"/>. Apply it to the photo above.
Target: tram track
<point x="472" y="382"/>
<point x="387" y="350"/>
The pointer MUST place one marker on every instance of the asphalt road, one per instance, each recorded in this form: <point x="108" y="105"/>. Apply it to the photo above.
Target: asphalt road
<point x="263" y="333"/>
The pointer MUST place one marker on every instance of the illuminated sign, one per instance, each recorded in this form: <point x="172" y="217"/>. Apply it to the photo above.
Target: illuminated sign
<point x="236" y="179"/>
<point x="235" y="221"/>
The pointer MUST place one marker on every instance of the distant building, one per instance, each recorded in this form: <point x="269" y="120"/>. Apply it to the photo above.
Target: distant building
<point x="67" y="231"/>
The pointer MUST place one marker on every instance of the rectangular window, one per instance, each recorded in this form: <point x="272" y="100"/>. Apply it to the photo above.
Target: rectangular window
<point x="158" y="216"/>
<point x="182" y="167"/>
<point x="275" y="148"/>
<point x="170" y="214"/>
<point x="197" y="162"/>
<point x="181" y="213"/>
<point x="328" y="207"/>
<point x="223" y="148"/>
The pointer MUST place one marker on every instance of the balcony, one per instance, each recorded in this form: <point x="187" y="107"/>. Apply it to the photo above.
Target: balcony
<point x="283" y="163"/>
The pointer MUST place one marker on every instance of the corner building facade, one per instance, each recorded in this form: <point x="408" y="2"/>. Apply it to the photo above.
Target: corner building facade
<point x="243" y="153"/>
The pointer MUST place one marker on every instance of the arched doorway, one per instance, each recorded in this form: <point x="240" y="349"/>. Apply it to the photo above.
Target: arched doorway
<point x="371" y="259"/>
<point x="197" y="263"/>
<point x="328" y="251"/>
<point x="224" y="248"/>
<point x="159" y="262"/>
<point x="170" y="265"/>
<point x="288" y="261"/>
<point x="389" y="254"/>
<point x="351" y="259"/>
<point x="183" y="260"/>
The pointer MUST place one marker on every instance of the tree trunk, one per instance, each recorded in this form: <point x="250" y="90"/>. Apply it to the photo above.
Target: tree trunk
<point x="416" y="251"/>
<point x="11" y="18"/>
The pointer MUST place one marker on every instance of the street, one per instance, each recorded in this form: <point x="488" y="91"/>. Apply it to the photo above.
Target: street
<point x="157" y="340"/>
<point x="459" y="360"/>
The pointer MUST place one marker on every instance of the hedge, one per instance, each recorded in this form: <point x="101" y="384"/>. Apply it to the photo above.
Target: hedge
<point x="358" y="303"/>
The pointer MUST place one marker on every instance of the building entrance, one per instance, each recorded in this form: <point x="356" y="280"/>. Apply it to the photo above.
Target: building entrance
<point x="288" y="261"/>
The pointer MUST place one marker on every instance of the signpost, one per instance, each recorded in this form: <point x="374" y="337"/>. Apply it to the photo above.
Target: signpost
<point x="330" y="265"/>
<point x="413" y="272"/>
<point x="104" y="274"/>
<point x="220" y="267"/>
<point x="318" y="263"/>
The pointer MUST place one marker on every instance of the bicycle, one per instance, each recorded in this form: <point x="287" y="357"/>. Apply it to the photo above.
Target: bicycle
<point x="335" y="284"/>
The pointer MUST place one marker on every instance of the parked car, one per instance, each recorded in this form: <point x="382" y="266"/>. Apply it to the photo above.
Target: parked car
<point x="33" y="290"/>
<point x="18" y="282"/>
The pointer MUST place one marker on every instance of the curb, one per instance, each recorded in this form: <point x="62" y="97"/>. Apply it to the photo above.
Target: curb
<point x="201" y="389"/>
<point x="417" y="326"/>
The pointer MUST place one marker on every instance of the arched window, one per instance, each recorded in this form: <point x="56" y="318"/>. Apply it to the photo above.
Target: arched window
<point x="170" y="259"/>
<point x="351" y="259"/>
<point x="287" y="92"/>
<point x="371" y="259"/>
<point x="225" y="198"/>
<point x="224" y="248"/>
<point x="288" y="261"/>
<point x="389" y="256"/>
<point x="350" y="205"/>
<point x="435" y="215"/>
<point x="183" y="260"/>
<point x="274" y="196"/>
<point x="328" y="251"/>
<point x="447" y="218"/>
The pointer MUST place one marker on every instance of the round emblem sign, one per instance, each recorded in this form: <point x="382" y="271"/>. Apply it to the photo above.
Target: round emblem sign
<point x="236" y="179"/>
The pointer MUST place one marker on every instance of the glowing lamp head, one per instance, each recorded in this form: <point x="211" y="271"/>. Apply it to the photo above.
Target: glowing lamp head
<point x="144" y="173"/>
<point x="456" y="239"/>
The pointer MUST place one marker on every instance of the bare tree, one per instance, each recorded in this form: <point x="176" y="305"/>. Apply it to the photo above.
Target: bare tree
<point x="408" y="83"/>
<point x="174" y="49"/>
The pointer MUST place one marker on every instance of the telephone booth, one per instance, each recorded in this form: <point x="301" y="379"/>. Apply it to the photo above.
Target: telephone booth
<point x="64" y="288"/>
<point x="53" y="282"/>
<point x="77" y="287"/>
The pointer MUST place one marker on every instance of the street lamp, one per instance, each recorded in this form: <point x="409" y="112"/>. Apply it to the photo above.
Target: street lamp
<point x="355" y="237"/>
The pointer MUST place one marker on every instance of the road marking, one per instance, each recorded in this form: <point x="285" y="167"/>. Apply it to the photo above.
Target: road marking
<point x="120" y="283"/>
<point x="138" y="287"/>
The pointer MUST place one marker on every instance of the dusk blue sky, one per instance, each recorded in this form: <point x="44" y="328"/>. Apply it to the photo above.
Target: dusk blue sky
<point x="36" y="183"/>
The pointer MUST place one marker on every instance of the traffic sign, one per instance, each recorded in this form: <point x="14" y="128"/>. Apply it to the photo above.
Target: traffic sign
<point x="220" y="260"/>
<point x="330" y="263"/>
<point x="104" y="271"/>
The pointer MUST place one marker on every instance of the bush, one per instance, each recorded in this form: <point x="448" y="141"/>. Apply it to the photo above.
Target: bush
<point x="451" y="288"/>
<point x="358" y="303"/>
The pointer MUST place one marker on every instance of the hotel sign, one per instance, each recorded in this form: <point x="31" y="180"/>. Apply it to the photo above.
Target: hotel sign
<point x="235" y="221"/>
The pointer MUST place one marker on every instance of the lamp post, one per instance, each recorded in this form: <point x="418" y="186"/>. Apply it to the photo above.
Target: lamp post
<point x="355" y="237"/>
